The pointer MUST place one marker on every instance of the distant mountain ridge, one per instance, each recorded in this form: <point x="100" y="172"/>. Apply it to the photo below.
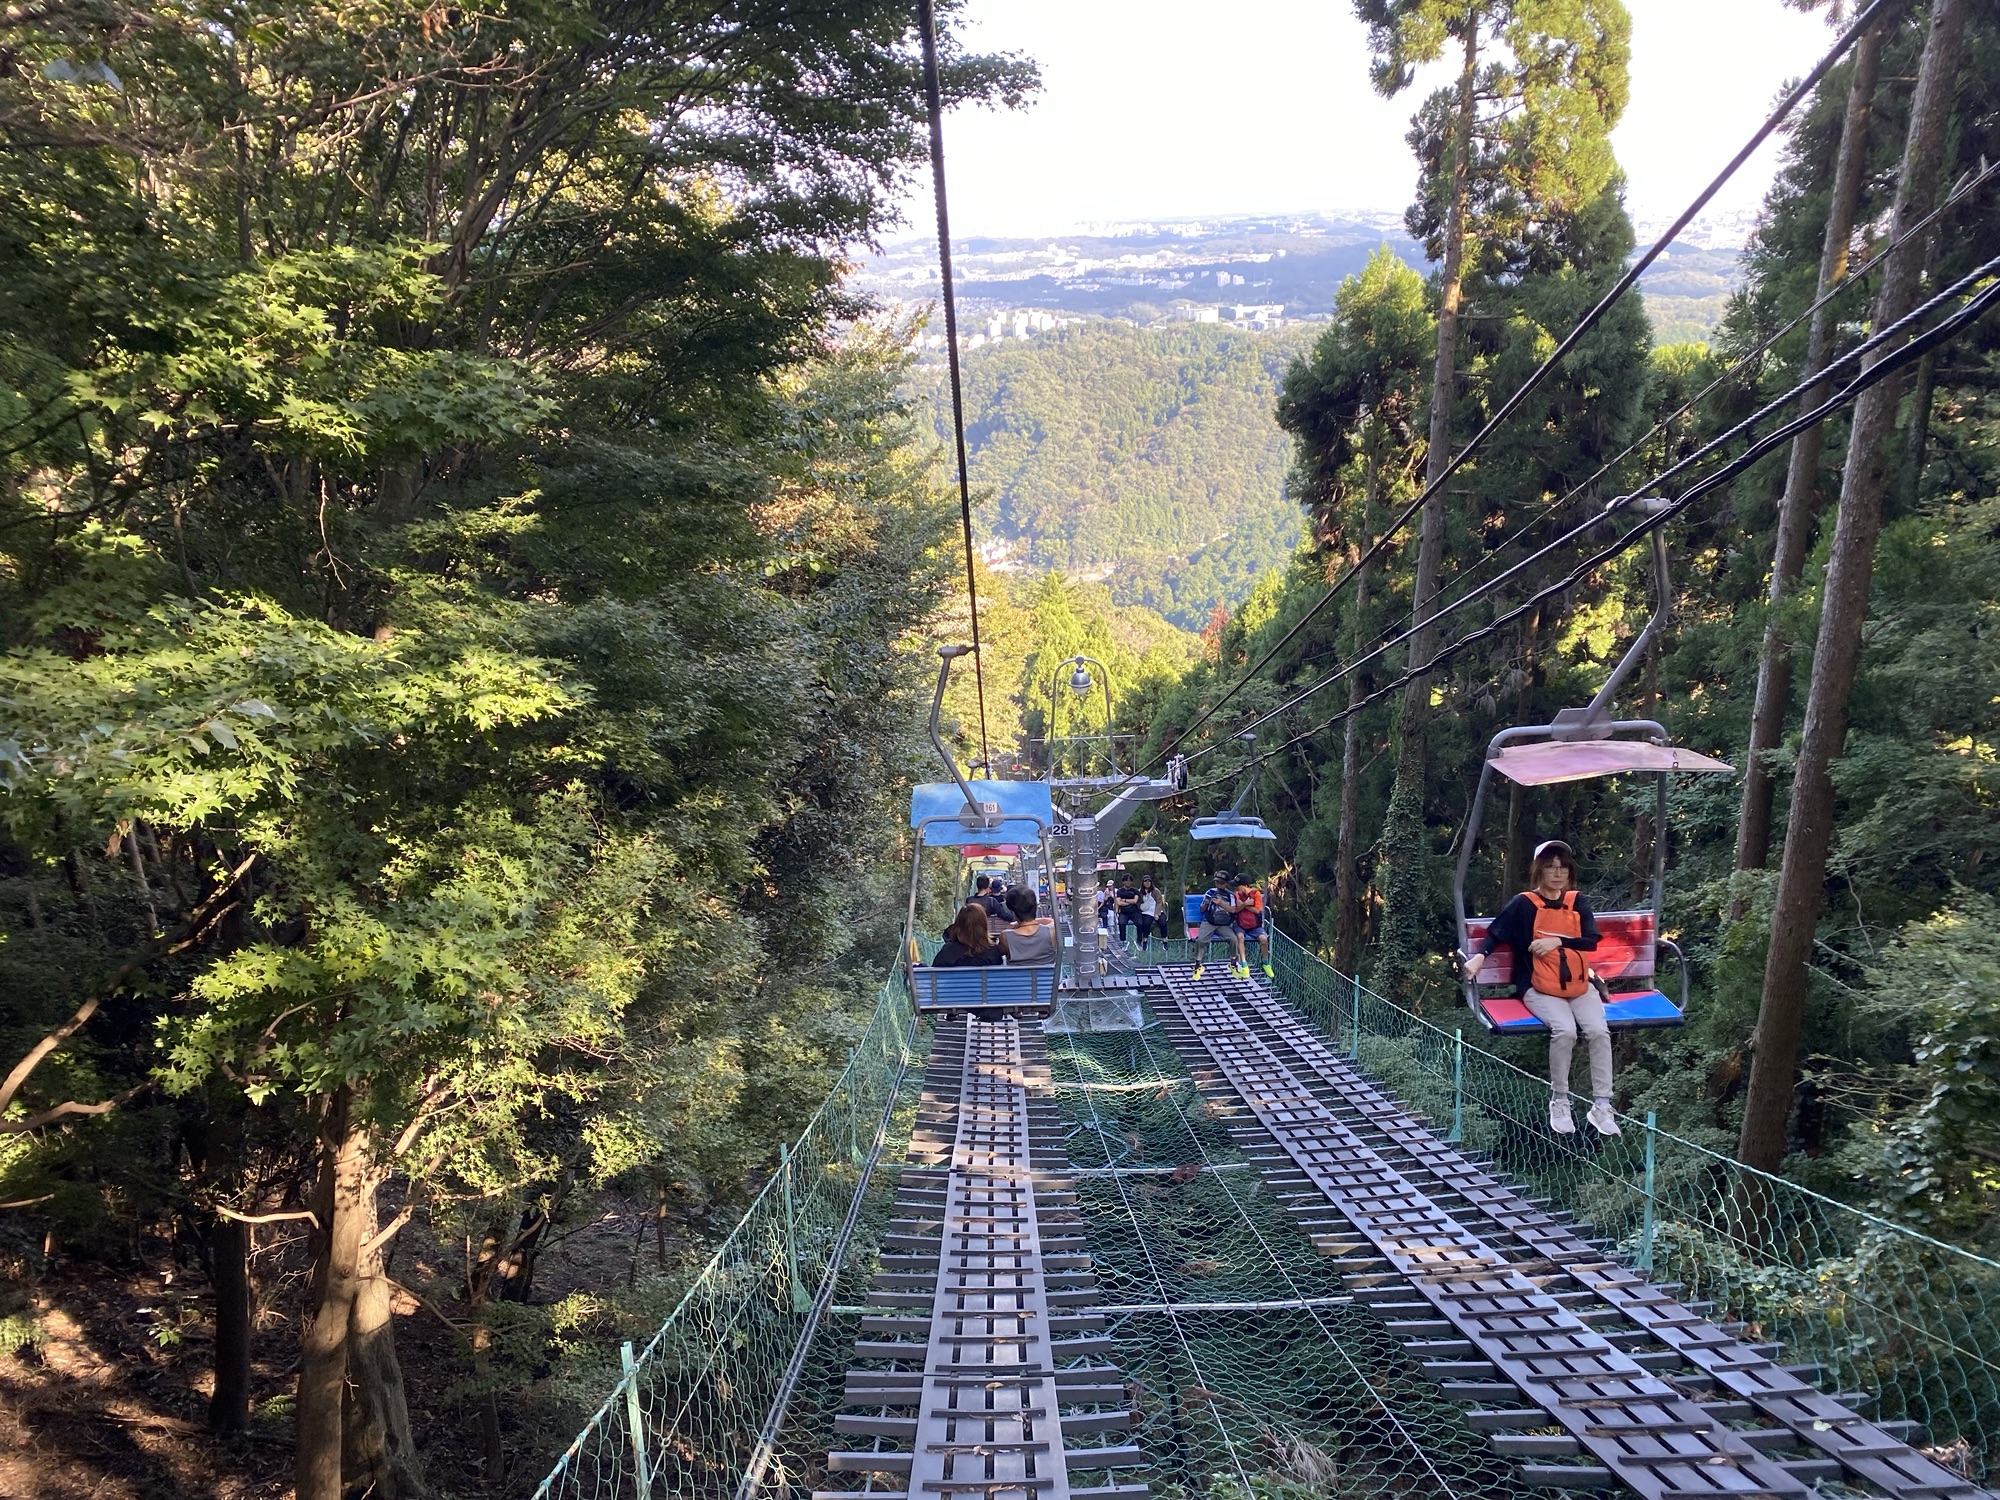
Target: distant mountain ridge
<point x="1139" y="270"/>
<point x="1147" y="458"/>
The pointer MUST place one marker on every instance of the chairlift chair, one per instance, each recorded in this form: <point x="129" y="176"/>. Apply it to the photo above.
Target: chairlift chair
<point x="1583" y="744"/>
<point x="963" y="815"/>
<point x="1230" y="824"/>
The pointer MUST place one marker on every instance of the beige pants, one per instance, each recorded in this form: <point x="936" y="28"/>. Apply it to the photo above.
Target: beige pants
<point x="1565" y="1018"/>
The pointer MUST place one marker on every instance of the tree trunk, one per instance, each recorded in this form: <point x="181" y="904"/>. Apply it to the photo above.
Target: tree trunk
<point x="1795" y="510"/>
<point x="353" y="1420"/>
<point x="229" y="1260"/>
<point x="338" y="1200"/>
<point x="1843" y="612"/>
<point x="1916" y="436"/>
<point x="379" y="1453"/>
<point x="1403" y="835"/>
<point x="1347" y="878"/>
<point x="1639" y="873"/>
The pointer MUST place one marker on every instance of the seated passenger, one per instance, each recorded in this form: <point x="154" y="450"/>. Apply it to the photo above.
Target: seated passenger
<point x="1250" y="924"/>
<point x="967" y="942"/>
<point x="990" y="893"/>
<point x="1028" y="941"/>
<point x="1550" y="929"/>
<point x="1218" y="920"/>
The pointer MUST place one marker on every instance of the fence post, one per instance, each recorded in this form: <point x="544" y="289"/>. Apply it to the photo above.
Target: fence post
<point x="801" y="1298"/>
<point x="1354" y="1043"/>
<point x="1645" y="1256"/>
<point x="854" y="1119"/>
<point x="635" y="1420"/>
<point x="1457" y="1089"/>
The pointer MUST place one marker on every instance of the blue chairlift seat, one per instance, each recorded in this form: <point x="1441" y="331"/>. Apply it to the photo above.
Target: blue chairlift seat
<point x="991" y="987"/>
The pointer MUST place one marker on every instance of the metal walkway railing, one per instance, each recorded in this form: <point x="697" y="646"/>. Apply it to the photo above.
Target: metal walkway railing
<point x="1505" y="1304"/>
<point x="985" y="1362"/>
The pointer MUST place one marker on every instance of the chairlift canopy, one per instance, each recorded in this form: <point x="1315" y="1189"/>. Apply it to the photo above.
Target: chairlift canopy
<point x="1230" y="826"/>
<point x="1141" y="854"/>
<point x="1025" y="808"/>
<point x="1549" y="762"/>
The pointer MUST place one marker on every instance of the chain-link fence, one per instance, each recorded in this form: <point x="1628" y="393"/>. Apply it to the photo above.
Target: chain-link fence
<point x="1881" y="1308"/>
<point x="712" y="1406"/>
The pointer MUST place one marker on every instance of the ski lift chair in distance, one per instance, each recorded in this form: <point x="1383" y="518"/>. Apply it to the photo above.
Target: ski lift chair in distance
<point x="958" y="815"/>
<point x="1226" y="826"/>
<point x="1231" y="824"/>
<point x="1580" y="745"/>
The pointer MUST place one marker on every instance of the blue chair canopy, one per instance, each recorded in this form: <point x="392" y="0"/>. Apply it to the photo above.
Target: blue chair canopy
<point x="1026" y="808"/>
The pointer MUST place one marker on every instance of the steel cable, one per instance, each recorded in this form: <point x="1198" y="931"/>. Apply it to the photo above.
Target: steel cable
<point x="1890" y="362"/>
<point x="1785" y="106"/>
<point x="1834" y="367"/>
<point x="927" y="22"/>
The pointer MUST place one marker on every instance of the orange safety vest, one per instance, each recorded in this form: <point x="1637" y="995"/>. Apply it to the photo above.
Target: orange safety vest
<point x="1564" y="973"/>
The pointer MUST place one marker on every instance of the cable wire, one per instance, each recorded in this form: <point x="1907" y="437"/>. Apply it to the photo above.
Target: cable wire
<point x="1973" y="309"/>
<point x="1967" y="186"/>
<point x="1785" y="106"/>
<point x="927" y="23"/>
<point x="1852" y="357"/>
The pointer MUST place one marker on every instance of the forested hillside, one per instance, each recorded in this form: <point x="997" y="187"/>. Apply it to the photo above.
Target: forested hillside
<point x="464" y="615"/>
<point x="1833" y="603"/>
<point x="1148" y="458"/>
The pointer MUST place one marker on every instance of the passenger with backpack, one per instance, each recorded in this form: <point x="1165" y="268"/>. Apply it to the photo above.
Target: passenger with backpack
<point x="1250" y="924"/>
<point x="1218" y="920"/>
<point x="1551" y="930"/>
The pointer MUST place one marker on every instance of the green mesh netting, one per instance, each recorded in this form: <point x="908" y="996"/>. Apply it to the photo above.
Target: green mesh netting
<point x="1249" y="1369"/>
<point x="731" y="1393"/>
<point x="1879" y="1307"/>
<point x="1249" y="1374"/>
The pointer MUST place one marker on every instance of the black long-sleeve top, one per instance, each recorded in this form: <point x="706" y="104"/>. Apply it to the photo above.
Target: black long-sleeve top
<point x="1514" y="928"/>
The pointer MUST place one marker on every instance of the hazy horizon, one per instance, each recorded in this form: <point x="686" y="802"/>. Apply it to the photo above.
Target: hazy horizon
<point x="1157" y="111"/>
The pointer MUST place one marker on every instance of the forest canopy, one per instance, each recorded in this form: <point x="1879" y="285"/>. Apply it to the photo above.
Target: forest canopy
<point x="1831" y="604"/>
<point x="460" y="572"/>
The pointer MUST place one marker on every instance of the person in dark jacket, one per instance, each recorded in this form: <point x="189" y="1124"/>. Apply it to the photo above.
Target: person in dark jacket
<point x="968" y="942"/>
<point x="1550" y="930"/>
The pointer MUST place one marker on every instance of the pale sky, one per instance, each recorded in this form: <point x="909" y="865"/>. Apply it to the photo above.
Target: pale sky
<point x="1170" y="108"/>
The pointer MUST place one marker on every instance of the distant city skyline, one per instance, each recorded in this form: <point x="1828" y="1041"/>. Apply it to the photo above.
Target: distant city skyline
<point x="1158" y="110"/>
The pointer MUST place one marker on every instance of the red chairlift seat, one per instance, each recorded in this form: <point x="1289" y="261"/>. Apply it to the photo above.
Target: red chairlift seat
<point x="1627" y="950"/>
<point x="1627" y="955"/>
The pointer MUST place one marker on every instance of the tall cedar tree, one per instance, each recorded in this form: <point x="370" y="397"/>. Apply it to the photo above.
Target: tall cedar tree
<point x="1517" y="146"/>
<point x="1865" y="482"/>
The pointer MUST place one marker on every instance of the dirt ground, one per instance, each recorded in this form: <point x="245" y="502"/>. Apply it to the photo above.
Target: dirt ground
<point x="110" y="1402"/>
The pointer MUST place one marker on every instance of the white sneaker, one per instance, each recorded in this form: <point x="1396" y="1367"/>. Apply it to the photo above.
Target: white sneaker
<point x="1559" y="1117"/>
<point x="1602" y="1120"/>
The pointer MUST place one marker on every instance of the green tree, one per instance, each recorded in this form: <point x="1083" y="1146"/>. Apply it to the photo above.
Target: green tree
<point x="1352" y="412"/>
<point x="1511" y="158"/>
<point x="456" y="583"/>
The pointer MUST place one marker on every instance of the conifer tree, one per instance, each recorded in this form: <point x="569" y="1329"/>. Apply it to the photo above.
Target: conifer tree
<point x="1509" y="156"/>
<point x="1865" y="481"/>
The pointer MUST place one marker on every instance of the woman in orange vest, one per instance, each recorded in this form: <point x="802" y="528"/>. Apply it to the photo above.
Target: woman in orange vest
<point x="1550" y="928"/>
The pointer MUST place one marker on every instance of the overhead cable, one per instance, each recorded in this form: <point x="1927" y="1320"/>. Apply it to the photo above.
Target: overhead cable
<point x="1974" y="308"/>
<point x="927" y="23"/>
<point x="1637" y="268"/>
<point x="1851" y="358"/>
<point x="1966" y="187"/>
